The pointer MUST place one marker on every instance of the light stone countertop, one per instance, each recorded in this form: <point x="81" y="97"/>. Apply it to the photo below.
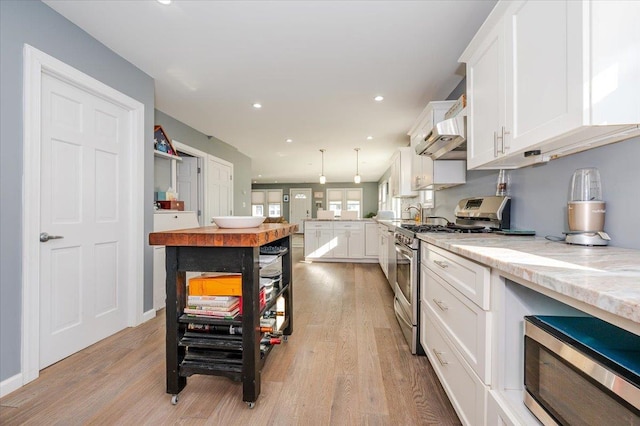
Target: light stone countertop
<point x="337" y="219"/>
<point x="605" y="277"/>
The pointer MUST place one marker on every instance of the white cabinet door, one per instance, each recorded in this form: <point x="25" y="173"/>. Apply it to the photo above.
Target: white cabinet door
<point x="383" y="249"/>
<point x="416" y="162"/>
<point x="341" y="248"/>
<point x="318" y="239"/>
<point x="401" y="174"/>
<point x="544" y="66"/>
<point x="356" y="242"/>
<point x="371" y="239"/>
<point x="349" y="240"/>
<point x="485" y="98"/>
<point x="465" y="390"/>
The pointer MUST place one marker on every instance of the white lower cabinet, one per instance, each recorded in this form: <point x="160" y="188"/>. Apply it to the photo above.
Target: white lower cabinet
<point x="339" y="241"/>
<point x="465" y="390"/>
<point x="371" y="239"/>
<point x="466" y="324"/>
<point x="349" y="240"/>
<point x="496" y="415"/>
<point x="456" y="328"/>
<point x="383" y="249"/>
<point x="318" y="238"/>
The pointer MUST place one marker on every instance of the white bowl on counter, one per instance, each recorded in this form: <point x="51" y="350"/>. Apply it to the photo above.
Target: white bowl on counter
<point x="238" y="221"/>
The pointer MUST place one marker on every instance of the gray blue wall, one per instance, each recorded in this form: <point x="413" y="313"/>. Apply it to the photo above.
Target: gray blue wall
<point x="540" y="193"/>
<point x="34" y="23"/>
<point x="241" y="163"/>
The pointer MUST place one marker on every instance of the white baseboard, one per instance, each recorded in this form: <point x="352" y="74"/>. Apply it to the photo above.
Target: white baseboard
<point x="9" y="385"/>
<point x="150" y="314"/>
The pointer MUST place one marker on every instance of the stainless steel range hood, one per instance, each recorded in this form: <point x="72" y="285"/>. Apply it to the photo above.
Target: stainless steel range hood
<point x="447" y="140"/>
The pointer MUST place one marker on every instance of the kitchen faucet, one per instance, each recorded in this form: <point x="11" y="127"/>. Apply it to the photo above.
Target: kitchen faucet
<point x="418" y="210"/>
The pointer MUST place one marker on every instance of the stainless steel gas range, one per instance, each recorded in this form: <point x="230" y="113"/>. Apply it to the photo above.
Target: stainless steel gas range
<point x="473" y="215"/>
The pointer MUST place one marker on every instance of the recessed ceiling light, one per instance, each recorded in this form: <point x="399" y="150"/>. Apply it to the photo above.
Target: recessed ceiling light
<point x="257" y="105"/>
<point x="164" y="1"/>
<point x="369" y="138"/>
<point x="289" y="140"/>
<point x="378" y="98"/>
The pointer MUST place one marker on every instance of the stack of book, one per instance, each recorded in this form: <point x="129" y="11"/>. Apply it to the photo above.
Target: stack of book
<point x="215" y="295"/>
<point x="222" y="307"/>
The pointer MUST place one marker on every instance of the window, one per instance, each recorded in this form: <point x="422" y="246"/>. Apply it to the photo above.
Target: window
<point x="349" y="199"/>
<point x="266" y="201"/>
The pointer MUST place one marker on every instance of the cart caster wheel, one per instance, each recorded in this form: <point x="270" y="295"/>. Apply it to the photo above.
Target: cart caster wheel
<point x="251" y="404"/>
<point x="174" y="399"/>
<point x="285" y="338"/>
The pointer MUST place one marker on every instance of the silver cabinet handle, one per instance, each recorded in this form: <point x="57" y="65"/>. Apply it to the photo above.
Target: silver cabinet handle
<point x="441" y="264"/>
<point x="44" y="237"/>
<point x="440" y="304"/>
<point x="441" y="360"/>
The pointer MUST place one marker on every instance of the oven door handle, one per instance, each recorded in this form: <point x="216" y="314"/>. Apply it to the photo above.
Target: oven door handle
<point x="400" y="312"/>
<point x="404" y="251"/>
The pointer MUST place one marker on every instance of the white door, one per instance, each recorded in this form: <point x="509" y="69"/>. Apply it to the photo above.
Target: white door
<point x="219" y="196"/>
<point x="187" y="183"/>
<point x="299" y="206"/>
<point x="85" y="191"/>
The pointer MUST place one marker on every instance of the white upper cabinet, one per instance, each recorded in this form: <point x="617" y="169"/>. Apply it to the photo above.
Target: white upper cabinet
<point x="400" y="181"/>
<point x="556" y="77"/>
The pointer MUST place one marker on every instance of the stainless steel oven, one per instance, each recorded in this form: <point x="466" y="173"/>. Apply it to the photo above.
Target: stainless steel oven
<point x="581" y="371"/>
<point x="406" y="298"/>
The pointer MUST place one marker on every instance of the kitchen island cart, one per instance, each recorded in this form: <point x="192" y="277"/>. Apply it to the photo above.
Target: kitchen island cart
<point x="212" y="249"/>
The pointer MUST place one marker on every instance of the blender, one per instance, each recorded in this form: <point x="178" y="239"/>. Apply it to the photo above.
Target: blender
<point x="586" y="210"/>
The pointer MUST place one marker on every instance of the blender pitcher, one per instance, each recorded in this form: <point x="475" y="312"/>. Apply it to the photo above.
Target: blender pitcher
<point x="586" y="209"/>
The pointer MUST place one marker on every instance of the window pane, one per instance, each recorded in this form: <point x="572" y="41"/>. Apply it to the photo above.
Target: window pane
<point x="257" y="210"/>
<point x="354" y="206"/>
<point x="274" y="210"/>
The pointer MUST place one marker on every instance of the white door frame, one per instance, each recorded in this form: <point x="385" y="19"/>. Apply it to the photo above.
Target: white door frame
<point x="202" y="182"/>
<point x="35" y="64"/>
<point x="203" y="173"/>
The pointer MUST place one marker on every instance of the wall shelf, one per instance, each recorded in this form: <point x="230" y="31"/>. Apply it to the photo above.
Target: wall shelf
<point x="165" y="155"/>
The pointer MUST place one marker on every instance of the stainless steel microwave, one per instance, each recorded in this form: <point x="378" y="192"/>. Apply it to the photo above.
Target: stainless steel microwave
<point x="581" y="371"/>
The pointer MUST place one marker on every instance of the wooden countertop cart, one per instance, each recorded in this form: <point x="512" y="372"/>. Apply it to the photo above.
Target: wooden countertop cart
<point x="212" y="249"/>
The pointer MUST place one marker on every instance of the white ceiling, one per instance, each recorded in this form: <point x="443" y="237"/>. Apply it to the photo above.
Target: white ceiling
<point x="315" y="66"/>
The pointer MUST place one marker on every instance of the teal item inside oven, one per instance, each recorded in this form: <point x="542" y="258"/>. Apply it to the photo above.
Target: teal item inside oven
<point x="614" y="344"/>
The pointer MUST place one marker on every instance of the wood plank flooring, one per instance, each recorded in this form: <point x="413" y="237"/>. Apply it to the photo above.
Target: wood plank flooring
<point x="346" y="364"/>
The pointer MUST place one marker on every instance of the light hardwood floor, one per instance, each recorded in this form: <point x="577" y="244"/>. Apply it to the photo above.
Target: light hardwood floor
<point x="345" y="364"/>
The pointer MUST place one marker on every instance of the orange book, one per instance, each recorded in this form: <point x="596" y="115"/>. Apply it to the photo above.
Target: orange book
<point x="216" y="284"/>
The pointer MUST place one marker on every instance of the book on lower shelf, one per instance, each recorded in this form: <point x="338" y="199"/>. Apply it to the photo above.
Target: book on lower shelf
<point x="210" y="313"/>
<point x="213" y="301"/>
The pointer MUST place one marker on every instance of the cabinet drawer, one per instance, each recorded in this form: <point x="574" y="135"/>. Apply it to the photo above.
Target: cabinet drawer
<point x="466" y="325"/>
<point x="348" y="226"/>
<point x="168" y="221"/>
<point x="318" y="225"/>
<point x="464" y="388"/>
<point x="466" y="276"/>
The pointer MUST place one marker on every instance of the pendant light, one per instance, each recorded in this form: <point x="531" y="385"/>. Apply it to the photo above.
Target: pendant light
<point x="356" y="178"/>
<point x="323" y="178"/>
